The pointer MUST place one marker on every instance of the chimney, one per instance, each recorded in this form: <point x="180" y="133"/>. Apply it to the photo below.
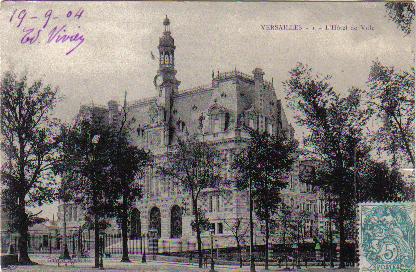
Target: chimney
<point x="258" y="82"/>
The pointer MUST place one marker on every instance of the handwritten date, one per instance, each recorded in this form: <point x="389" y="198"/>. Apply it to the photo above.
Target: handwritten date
<point x="58" y="34"/>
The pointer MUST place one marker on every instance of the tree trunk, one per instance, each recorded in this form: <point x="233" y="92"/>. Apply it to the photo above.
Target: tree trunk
<point x="96" y="242"/>
<point x="341" y="237"/>
<point x="240" y="257"/>
<point x="284" y="239"/>
<point x="266" y="253"/>
<point x="199" y="241"/>
<point x="124" y="230"/>
<point x="24" y="234"/>
<point x="198" y="231"/>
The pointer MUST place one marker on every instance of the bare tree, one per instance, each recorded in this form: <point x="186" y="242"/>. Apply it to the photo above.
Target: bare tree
<point x="239" y="231"/>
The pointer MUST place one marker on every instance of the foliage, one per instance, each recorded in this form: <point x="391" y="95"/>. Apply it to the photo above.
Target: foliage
<point x="86" y="165"/>
<point x="336" y="138"/>
<point x="202" y="222"/>
<point x="194" y="166"/>
<point x="28" y="145"/>
<point x="379" y="183"/>
<point x="264" y="165"/>
<point x="401" y="13"/>
<point x="392" y="96"/>
<point x="235" y="226"/>
<point x="266" y="161"/>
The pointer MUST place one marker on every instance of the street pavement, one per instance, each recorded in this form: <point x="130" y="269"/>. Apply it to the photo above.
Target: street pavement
<point x="114" y="264"/>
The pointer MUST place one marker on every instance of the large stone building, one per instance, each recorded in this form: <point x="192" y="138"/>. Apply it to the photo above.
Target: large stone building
<point x="215" y="113"/>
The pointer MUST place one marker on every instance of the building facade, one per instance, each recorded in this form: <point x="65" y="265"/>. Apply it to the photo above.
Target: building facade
<point x="215" y="113"/>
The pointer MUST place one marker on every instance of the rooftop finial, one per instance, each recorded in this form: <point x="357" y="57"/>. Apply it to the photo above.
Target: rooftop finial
<point x="166" y="23"/>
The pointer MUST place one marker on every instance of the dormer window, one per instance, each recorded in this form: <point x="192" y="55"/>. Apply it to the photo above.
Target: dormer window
<point x="217" y="125"/>
<point x="140" y="131"/>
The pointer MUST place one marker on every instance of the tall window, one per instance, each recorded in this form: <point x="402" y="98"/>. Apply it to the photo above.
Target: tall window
<point x="220" y="228"/>
<point x="74" y="213"/>
<point x="270" y="129"/>
<point x="227" y="121"/>
<point x="210" y="203"/>
<point x="135" y="225"/>
<point x="251" y="123"/>
<point x="155" y="221"/>
<point x="176" y="222"/>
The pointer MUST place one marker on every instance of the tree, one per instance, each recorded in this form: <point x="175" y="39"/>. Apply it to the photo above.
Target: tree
<point x="335" y="127"/>
<point x="194" y="166"/>
<point x="379" y="183"/>
<point x="28" y="145"/>
<point x="402" y="14"/>
<point x="392" y="96"/>
<point x="86" y="167"/>
<point x="283" y="216"/>
<point x="128" y="163"/>
<point x="235" y="226"/>
<point x="264" y="164"/>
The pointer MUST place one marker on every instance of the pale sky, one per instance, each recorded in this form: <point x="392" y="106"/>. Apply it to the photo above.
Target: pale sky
<point x="119" y="36"/>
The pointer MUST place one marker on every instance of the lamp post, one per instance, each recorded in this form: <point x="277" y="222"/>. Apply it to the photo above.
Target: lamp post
<point x="144" y="248"/>
<point x="101" y="250"/>
<point x="252" y="265"/>
<point x="212" y="250"/>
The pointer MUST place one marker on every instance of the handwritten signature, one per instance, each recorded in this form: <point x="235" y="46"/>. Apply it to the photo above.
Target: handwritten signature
<point x="59" y="34"/>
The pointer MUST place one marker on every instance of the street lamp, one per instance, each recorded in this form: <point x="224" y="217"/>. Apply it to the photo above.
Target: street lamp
<point x="211" y="232"/>
<point x="153" y="239"/>
<point x="101" y="250"/>
<point x="252" y="265"/>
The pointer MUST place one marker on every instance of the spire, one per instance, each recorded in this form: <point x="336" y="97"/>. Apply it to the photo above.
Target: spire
<point x="166" y="46"/>
<point x="166" y="23"/>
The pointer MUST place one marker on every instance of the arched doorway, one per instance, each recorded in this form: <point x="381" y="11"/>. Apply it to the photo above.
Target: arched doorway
<point x="154" y="222"/>
<point x="176" y="222"/>
<point x="135" y="225"/>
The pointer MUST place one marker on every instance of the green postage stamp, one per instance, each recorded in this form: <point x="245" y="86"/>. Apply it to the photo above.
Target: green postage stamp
<point x="387" y="236"/>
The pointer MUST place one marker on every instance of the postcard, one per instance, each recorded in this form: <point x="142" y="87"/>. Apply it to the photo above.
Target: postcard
<point x="207" y="136"/>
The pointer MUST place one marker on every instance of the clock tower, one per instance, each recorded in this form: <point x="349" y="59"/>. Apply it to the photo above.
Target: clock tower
<point x="165" y="80"/>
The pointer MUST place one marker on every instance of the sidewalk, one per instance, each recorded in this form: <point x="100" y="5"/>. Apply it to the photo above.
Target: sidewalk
<point x="114" y="264"/>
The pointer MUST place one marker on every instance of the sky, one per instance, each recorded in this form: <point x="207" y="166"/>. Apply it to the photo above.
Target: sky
<point x="119" y="37"/>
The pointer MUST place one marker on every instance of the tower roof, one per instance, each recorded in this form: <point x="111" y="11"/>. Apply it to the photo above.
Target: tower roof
<point x="166" y="22"/>
<point x="166" y="40"/>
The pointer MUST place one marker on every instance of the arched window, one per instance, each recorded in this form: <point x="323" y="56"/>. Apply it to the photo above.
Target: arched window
<point x="176" y="222"/>
<point x="135" y="225"/>
<point x="74" y="213"/>
<point x="166" y="59"/>
<point x="69" y="214"/>
<point x="154" y="222"/>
